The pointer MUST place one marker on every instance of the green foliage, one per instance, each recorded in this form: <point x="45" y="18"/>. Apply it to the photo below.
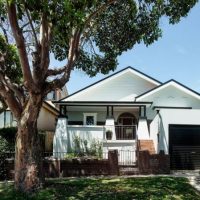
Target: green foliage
<point x="83" y="149"/>
<point x="9" y="134"/>
<point x="122" y="25"/>
<point x="111" y="30"/>
<point x="12" y="64"/>
<point x="146" y="188"/>
<point x="5" y="147"/>
<point x="116" y="29"/>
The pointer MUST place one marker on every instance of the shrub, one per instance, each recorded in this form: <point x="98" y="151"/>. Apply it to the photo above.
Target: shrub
<point x="83" y="149"/>
<point x="7" y="144"/>
<point x="9" y="134"/>
<point x="4" y="148"/>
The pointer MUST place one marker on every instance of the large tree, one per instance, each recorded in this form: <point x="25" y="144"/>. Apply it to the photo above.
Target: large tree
<point x="88" y="35"/>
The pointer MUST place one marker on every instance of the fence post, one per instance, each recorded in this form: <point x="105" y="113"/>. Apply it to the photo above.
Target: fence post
<point x="143" y="162"/>
<point x="113" y="162"/>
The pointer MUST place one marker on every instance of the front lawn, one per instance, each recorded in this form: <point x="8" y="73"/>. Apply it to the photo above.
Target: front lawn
<point x="150" y="188"/>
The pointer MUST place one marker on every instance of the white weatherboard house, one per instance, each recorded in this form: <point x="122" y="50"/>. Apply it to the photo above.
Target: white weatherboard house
<point x="128" y="107"/>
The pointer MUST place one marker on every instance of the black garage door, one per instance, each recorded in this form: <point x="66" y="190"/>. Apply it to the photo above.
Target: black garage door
<point x="184" y="146"/>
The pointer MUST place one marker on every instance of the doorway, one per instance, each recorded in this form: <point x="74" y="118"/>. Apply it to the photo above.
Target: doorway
<point x="126" y="127"/>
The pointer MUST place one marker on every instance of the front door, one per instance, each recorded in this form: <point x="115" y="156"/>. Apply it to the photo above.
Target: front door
<point x="125" y="128"/>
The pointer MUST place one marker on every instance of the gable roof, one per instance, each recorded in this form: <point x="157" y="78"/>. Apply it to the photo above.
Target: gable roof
<point x="131" y="69"/>
<point x="50" y="107"/>
<point x="172" y="82"/>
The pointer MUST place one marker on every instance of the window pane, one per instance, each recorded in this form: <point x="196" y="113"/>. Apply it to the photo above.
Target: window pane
<point x="1" y="120"/>
<point x="89" y="120"/>
<point x="8" y="119"/>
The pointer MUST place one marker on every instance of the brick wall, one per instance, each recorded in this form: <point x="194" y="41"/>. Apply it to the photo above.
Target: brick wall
<point x="146" y="145"/>
<point x="74" y="167"/>
<point x="153" y="163"/>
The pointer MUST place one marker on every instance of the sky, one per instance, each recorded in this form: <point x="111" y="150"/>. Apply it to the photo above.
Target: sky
<point x="176" y="55"/>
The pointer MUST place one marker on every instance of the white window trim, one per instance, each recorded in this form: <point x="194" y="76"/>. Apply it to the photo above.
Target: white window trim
<point x="90" y="114"/>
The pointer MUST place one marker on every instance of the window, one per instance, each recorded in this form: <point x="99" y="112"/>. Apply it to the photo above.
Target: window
<point x="90" y="118"/>
<point x="7" y="119"/>
<point x="2" y="120"/>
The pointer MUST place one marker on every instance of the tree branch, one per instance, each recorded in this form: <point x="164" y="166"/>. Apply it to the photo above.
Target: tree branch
<point x="72" y="55"/>
<point x="28" y="79"/>
<point x="45" y="37"/>
<point x="18" y="91"/>
<point x="74" y="50"/>
<point x="55" y="72"/>
<point x="11" y="101"/>
<point x="98" y="11"/>
<point x="31" y="24"/>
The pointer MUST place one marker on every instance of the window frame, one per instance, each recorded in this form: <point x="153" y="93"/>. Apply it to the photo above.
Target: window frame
<point x="94" y="115"/>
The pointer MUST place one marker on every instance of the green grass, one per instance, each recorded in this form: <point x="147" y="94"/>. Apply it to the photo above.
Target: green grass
<point x="150" y="188"/>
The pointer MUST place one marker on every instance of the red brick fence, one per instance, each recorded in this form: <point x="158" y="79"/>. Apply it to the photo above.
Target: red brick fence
<point x="74" y="167"/>
<point x="153" y="163"/>
<point x="147" y="164"/>
<point x="82" y="167"/>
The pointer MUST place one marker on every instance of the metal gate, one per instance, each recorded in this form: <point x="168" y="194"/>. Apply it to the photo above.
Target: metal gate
<point x="126" y="157"/>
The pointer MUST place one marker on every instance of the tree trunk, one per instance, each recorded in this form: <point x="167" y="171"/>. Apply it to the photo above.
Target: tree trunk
<point x="28" y="162"/>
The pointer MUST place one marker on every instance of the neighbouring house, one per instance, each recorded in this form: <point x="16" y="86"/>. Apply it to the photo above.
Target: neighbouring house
<point x="130" y="110"/>
<point x="46" y="120"/>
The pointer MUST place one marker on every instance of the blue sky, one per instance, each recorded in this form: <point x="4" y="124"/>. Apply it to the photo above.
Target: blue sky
<point x="176" y="55"/>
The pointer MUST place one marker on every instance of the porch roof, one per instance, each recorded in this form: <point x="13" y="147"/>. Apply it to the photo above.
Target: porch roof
<point x="105" y="103"/>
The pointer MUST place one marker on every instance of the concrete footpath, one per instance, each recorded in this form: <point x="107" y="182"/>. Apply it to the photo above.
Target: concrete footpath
<point x="192" y="175"/>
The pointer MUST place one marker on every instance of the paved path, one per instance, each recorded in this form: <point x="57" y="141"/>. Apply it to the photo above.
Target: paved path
<point x="192" y="175"/>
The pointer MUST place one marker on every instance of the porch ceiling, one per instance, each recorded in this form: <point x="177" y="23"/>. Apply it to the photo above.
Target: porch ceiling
<point x="101" y="108"/>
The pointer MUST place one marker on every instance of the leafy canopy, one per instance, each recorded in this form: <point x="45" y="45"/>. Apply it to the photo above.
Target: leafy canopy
<point x="106" y="31"/>
<point x="11" y="64"/>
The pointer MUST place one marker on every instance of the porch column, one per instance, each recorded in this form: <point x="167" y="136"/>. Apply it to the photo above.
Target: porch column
<point x="110" y="122"/>
<point x="61" y="140"/>
<point x="143" y="131"/>
<point x="63" y="111"/>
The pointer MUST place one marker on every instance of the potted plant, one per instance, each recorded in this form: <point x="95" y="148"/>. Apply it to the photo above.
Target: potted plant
<point x="109" y="134"/>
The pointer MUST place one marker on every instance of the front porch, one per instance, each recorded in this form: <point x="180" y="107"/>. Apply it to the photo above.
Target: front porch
<point x="116" y="125"/>
<point x="106" y="133"/>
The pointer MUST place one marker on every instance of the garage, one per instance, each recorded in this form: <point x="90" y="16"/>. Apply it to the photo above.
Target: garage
<point x="184" y="147"/>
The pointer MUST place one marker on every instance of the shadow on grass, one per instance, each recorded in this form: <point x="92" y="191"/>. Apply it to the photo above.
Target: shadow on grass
<point x="155" y="188"/>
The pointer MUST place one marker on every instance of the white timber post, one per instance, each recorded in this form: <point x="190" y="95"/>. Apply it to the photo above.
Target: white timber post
<point x="110" y="126"/>
<point x="60" y="140"/>
<point x="143" y="131"/>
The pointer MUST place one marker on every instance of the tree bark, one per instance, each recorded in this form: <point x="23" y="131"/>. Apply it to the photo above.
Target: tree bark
<point x="28" y="162"/>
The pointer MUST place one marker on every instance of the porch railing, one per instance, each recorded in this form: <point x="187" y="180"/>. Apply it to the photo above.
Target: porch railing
<point x="125" y="132"/>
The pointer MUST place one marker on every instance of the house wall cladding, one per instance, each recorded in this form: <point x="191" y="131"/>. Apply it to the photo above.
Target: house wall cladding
<point x="166" y="117"/>
<point x="134" y="85"/>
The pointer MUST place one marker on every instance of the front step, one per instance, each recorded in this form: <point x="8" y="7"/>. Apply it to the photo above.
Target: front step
<point x="128" y="170"/>
<point x="146" y="145"/>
